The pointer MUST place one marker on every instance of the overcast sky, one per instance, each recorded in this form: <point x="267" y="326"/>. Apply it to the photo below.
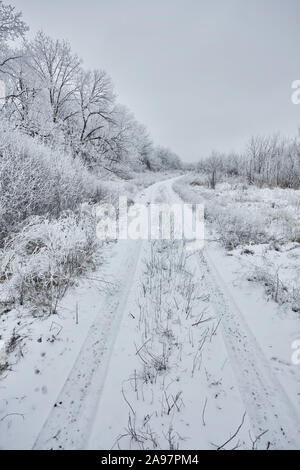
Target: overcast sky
<point x="201" y="74"/>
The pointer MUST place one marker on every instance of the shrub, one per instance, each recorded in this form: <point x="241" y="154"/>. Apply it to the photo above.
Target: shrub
<point x="40" y="263"/>
<point x="35" y="180"/>
<point x="239" y="228"/>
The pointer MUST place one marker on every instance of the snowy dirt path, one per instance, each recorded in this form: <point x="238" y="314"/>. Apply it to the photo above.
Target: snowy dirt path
<point x="79" y="418"/>
<point x="71" y="418"/>
<point x="133" y="411"/>
<point x="272" y="415"/>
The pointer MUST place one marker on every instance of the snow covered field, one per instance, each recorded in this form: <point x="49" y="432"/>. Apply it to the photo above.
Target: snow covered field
<point x="172" y="351"/>
<point x="149" y="300"/>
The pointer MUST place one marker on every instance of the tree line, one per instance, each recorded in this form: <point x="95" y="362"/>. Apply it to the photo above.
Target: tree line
<point x="52" y="97"/>
<point x="266" y="161"/>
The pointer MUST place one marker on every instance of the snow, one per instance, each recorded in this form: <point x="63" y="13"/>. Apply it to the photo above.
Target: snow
<point x="141" y="406"/>
<point x="141" y="343"/>
<point x="225" y="379"/>
<point x="48" y="351"/>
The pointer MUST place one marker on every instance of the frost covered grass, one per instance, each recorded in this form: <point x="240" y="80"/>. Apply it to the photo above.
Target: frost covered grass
<point x="279" y="274"/>
<point x="275" y="288"/>
<point x="245" y="214"/>
<point x="171" y="336"/>
<point x="263" y="222"/>
<point x="47" y="234"/>
<point x="47" y="220"/>
<point x="41" y="262"/>
<point x="47" y="226"/>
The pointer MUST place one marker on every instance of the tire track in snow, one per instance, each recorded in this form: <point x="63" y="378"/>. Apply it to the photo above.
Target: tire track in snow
<point x="70" y="420"/>
<point x="267" y="404"/>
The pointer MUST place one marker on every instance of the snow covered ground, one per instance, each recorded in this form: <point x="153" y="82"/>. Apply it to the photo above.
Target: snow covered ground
<point x="158" y="349"/>
<point x="126" y="342"/>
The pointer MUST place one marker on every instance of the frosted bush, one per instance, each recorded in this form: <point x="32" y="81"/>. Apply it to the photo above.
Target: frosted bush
<point x="238" y="227"/>
<point x="40" y="263"/>
<point x="35" y="180"/>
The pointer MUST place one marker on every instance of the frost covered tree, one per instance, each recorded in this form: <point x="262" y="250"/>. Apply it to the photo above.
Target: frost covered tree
<point x="11" y="27"/>
<point x="25" y="103"/>
<point x="90" y="114"/>
<point x="96" y="98"/>
<point x="267" y="161"/>
<point x="56" y="68"/>
<point x="168" y="159"/>
<point x="51" y="97"/>
<point x="11" y="24"/>
<point x="213" y="167"/>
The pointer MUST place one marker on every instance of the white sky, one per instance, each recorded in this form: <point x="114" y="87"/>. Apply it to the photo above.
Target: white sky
<point x="201" y="74"/>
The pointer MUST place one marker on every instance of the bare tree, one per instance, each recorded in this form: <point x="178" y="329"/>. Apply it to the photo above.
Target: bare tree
<point x="57" y="68"/>
<point x="212" y="166"/>
<point x="95" y="100"/>
<point x="268" y="160"/>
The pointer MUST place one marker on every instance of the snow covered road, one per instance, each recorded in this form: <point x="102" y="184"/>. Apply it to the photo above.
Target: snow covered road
<point x="231" y="385"/>
<point x="273" y="420"/>
<point x="70" y="421"/>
